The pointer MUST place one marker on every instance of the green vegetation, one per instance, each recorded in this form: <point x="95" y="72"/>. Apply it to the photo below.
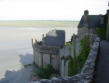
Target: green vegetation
<point x="74" y="50"/>
<point x="76" y="63"/>
<point x="73" y="62"/>
<point x="84" y="51"/>
<point x="39" y="23"/>
<point x="45" y="72"/>
<point x="71" y="66"/>
<point x="101" y="32"/>
<point x="68" y="43"/>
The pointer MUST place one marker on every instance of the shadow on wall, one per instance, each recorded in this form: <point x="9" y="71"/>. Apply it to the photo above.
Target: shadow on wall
<point x="21" y="76"/>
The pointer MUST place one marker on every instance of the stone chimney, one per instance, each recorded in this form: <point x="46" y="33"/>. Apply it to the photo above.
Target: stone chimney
<point x="107" y="36"/>
<point x="86" y="13"/>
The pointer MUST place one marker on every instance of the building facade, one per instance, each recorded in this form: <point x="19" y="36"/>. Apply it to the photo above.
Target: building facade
<point x="89" y="23"/>
<point x="47" y="51"/>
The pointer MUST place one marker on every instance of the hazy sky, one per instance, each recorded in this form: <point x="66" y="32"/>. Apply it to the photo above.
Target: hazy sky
<point x="49" y="9"/>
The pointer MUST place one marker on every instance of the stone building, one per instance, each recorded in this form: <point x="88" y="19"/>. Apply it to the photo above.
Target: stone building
<point x="52" y="49"/>
<point x="89" y="23"/>
<point x="47" y="50"/>
<point x="87" y="26"/>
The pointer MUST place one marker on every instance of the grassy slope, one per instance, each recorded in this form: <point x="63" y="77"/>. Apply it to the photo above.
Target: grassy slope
<point x="36" y="23"/>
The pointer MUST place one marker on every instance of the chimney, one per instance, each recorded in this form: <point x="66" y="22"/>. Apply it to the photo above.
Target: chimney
<point x="86" y="13"/>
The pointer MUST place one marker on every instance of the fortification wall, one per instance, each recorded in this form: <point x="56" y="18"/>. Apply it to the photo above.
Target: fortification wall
<point x="44" y="54"/>
<point x="87" y="72"/>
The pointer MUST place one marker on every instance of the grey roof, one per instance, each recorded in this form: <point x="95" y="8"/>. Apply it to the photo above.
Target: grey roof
<point x="93" y="21"/>
<point x="55" y="38"/>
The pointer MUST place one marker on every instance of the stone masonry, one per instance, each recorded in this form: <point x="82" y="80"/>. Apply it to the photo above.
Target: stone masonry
<point x="87" y="72"/>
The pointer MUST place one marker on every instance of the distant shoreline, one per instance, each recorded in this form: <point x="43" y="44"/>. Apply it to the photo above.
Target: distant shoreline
<point x="41" y="20"/>
<point x="38" y="23"/>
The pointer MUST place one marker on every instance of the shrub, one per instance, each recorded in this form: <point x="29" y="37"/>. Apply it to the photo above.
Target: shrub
<point x="84" y="51"/>
<point x="68" y="43"/>
<point x="74" y="50"/>
<point x="72" y="67"/>
<point x="101" y="32"/>
<point x="75" y="64"/>
<point x="40" y="73"/>
<point x="84" y="46"/>
<point x="49" y="69"/>
<point x="72" y="62"/>
<point x="45" y="72"/>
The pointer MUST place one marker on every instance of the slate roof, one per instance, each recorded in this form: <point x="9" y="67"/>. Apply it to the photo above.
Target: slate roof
<point x="55" y="38"/>
<point x="93" y="21"/>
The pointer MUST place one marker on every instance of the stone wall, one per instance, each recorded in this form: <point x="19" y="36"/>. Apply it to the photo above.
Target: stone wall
<point x="47" y="49"/>
<point x="66" y="52"/>
<point x="55" y="61"/>
<point x="42" y="59"/>
<point x="82" y="31"/>
<point x="44" y="55"/>
<point x="46" y="59"/>
<point x="38" y="58"/>
<point x="87" y="72"/>
<point x="85" y="31"/>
